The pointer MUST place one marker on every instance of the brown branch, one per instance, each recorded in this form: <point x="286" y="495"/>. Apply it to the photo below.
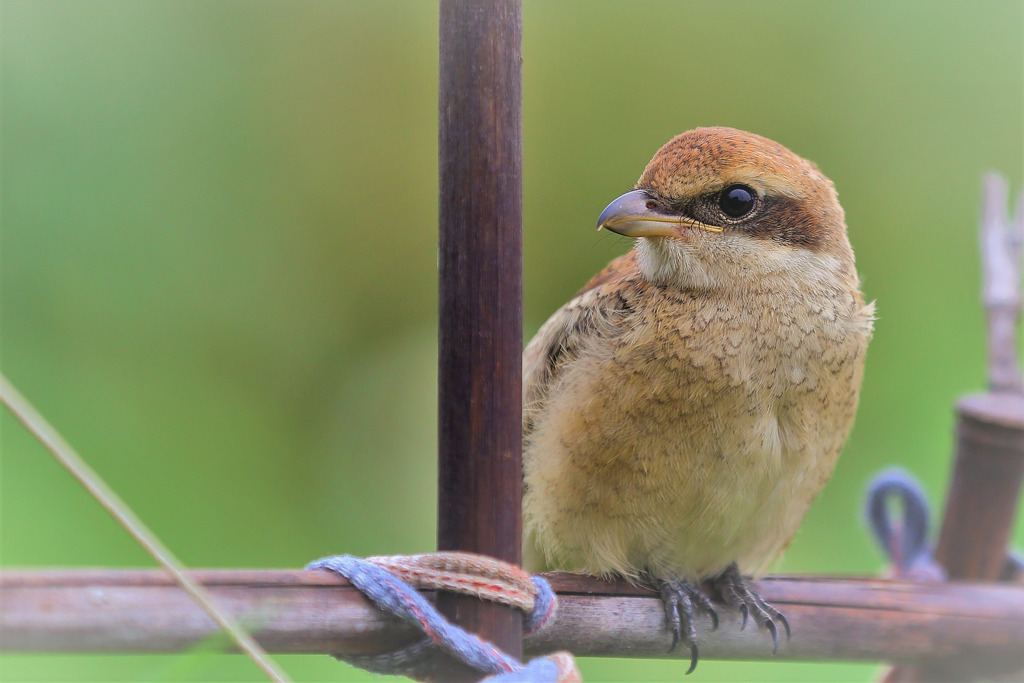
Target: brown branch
<point x="315" y="612"/>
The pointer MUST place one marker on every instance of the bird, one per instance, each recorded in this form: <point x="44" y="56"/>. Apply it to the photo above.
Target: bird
<point x="685" y="407"/>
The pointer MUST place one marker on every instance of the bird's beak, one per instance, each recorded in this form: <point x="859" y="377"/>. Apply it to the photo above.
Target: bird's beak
<point x="630" y="216"/>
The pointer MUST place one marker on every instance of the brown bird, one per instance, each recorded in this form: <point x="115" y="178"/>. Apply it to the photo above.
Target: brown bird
<point x="682" y="411"/>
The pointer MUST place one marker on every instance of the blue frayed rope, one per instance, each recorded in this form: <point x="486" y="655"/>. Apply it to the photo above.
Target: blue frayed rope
<point x="418" y="660"/>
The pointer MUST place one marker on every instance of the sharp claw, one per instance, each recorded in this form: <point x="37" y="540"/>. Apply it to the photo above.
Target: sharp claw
<point x="785" y="623"/>
<point x="681" y="600"/>
<point x="714" y="622"/>
<point x="731" y="586"/>
<point x="693" y="659"/>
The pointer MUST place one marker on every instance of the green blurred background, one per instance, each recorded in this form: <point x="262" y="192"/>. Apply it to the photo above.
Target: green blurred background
<point x="218" y="258"/>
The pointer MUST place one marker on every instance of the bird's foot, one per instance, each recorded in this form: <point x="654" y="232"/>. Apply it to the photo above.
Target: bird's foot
<point x="736" y="594"/>
<point x="680" y="598"/>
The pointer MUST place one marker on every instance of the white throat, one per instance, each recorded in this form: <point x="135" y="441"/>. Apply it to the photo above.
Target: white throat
<point x="667" y="261"/>
<point x="740" y="263"/>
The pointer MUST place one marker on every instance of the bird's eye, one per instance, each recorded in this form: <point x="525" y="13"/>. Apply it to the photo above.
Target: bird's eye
<point x="736" y="201"/>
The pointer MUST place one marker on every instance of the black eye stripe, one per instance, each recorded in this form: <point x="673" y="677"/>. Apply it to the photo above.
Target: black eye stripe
<point x="737" y="201"/>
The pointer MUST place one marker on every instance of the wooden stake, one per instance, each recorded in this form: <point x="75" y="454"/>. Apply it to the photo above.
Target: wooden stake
<point x="480" y="335"/>
<point x="982" y="504"/>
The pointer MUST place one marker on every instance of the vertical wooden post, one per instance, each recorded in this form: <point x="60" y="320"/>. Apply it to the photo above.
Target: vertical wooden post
<point x="986" y="485"/>
<point x="480" y="264"/>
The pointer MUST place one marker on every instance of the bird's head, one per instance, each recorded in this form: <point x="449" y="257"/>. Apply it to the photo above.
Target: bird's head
<point x="721" y="208"/>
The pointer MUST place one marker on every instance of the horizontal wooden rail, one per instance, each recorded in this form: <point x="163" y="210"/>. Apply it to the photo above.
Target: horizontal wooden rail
<point x="315" y="612"/>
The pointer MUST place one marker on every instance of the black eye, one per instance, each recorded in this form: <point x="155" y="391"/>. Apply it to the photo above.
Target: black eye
<point x="736" y="201"/>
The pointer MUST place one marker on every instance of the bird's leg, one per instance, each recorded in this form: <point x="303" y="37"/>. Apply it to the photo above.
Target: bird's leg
<point x="679" y="599"/>
<point x="736" y="594"/>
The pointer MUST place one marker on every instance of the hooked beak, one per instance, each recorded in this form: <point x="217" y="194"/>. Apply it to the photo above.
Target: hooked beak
<point x="630" y="216"/>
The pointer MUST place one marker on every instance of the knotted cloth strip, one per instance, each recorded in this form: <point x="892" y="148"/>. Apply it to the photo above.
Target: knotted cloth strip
<point x="391" y="583"/>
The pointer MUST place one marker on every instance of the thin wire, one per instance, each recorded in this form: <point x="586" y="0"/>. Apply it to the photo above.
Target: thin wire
<point x="37" y="425"/>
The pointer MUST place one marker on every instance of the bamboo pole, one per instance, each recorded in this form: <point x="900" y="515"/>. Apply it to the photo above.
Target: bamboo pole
<point x="316" y="612"/>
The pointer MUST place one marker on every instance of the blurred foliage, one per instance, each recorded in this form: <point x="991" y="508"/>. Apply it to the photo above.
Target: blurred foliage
<point x="219" y="254"/>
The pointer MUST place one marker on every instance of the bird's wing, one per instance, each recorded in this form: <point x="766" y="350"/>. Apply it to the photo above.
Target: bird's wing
<point x="597" y="309"/>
